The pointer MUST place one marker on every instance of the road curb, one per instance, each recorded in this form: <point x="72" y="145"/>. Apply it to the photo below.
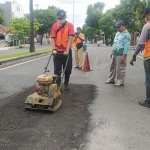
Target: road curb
<point x="12" y="61"/>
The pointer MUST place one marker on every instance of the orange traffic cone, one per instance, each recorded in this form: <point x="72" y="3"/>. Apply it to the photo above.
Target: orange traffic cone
<point x="86" y="66"/>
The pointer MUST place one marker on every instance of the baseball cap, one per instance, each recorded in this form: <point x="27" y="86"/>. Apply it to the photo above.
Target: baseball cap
<point x="61" y="14"/>
<point x="119" y="23"/>
<point x="78" y="28"/>
<point x="147" y="11"/>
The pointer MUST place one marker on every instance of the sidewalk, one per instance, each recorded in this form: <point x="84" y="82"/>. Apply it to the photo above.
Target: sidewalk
<point x="12" y="47"/>
<point x="16" y="47"/>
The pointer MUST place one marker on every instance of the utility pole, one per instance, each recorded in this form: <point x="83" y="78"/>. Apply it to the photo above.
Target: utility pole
<point x="37" y="6"/>
<point x="73" y="12"/>
<point x="32" y="47"/>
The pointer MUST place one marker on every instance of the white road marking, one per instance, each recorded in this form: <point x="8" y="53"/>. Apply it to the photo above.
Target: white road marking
<point x="22" y="63"/>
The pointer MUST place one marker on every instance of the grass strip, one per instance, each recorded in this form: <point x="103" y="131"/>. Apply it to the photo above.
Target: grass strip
<point x="24" y="54"/>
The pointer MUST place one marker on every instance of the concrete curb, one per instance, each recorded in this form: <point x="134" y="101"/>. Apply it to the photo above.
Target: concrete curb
<point x="12" y="61"/>
<point x="14" y="47"/>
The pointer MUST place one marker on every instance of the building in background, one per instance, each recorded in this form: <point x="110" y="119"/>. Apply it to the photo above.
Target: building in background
<point x="11" y="10"/>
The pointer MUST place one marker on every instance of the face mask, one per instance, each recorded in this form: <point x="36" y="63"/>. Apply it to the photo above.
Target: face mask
<point x="145" y="20"/>
<point x="62" y="21"/>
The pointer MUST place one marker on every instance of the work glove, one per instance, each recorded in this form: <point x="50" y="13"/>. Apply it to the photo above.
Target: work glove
<point x="132" y="60"/>
<point x="54" y="52"/>
<point x="66" y="52"/>
<point x="111" y="56"/>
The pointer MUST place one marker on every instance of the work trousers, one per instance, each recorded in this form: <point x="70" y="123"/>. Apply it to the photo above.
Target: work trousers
<point x="60" y="63"/>
<point x="79" y="57"/>
<point x="147" y="81"/>
<point x="117" y="68"/>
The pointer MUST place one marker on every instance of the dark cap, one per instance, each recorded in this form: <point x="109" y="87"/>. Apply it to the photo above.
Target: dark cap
<point x="119" y="23"/>
<point x="78" y="28"/>
<point x="61" y="14"/>
<point x="147" y="11"/>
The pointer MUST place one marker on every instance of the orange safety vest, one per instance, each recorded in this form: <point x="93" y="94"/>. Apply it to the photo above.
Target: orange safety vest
<point x="147" y="48"/>
<point x="62" y="39"/>
<point x="76" y="41"/>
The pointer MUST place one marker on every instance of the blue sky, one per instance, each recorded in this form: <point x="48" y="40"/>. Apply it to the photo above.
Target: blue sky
<point x="67" y="5"/>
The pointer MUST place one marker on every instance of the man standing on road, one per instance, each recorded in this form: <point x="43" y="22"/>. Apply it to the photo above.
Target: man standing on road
<point x="78" y="45"/>
<point x="144" y="42"/>
<point x="119" y="55"/>
<point x="62" y="37"/>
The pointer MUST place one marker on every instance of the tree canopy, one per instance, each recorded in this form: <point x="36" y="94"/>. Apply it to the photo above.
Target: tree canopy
<point x="90" y="32"/>
<point x="1" y="17"/>
<point x="20" y="27"/>
<point x="131" y="11"/>
<point x="94" y="12"/>
<point x="47" y="17"/>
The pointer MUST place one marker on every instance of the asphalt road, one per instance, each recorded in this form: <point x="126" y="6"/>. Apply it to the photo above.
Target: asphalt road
<point x="26" y="49"/>
<point x="110" y="119"/>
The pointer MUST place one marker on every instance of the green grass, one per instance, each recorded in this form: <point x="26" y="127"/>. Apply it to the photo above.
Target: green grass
<point x="23" y="54"/>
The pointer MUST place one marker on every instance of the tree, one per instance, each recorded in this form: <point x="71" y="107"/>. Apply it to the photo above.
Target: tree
<point x="1" y="17"/>
<point x="128" y="10"/>
<point x="148" y="2"/>
<point x="47" y="17"/>
<point x="106" y="24"/>
<point x="90" y="32"/>
<point x="20" y="27"/>
<point x="94" y="13"/>
<point x="131" y="12"/>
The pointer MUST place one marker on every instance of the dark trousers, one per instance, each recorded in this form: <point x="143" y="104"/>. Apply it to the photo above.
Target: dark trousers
<point x="147" y="81"/>
<point x="60" y="63"/>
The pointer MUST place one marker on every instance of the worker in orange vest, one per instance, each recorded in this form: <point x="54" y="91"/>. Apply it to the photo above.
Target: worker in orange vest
<point x="62" y="37"/>
<point x="78" y="46"/>
<point x="144" y="42"/>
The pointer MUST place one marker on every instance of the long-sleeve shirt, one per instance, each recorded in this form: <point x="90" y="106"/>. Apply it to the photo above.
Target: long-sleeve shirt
<point x="122" y="41"/>
<point x="145" y="35"/>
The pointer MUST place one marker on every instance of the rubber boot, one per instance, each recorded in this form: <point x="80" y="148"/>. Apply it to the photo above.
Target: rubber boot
<point x="148" y="94"/>
<point x="146" y="103"/>
<point x="58" y="81"/>
<point x="66" y="87"/>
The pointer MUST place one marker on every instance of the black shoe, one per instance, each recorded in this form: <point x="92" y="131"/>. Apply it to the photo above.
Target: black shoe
<point x="145" y="103"/>
<point x="66" y="87"/>
<point x="76" y="67"/>
<point x="80" y="68"/>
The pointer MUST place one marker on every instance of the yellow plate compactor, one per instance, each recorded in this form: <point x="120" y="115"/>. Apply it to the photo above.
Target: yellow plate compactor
<point x="48" y="93"/>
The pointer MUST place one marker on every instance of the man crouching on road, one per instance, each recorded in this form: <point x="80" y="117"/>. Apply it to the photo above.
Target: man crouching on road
<point x="144" y="42"/>
<point x="62" y="37"/>
<point x="119" y="55"/>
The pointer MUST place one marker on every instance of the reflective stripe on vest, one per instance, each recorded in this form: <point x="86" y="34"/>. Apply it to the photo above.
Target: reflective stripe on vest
<point x="147" y="49"/>
<point x="62" y="39"/>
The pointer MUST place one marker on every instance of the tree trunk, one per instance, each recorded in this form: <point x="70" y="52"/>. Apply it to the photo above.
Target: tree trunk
<point x="41" y="40"/>
<point x="132" y="39"/>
